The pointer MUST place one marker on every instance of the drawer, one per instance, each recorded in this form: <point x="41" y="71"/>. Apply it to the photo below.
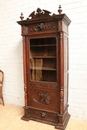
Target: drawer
<point x="44" y="99"/>
<point x="43" y="116"/>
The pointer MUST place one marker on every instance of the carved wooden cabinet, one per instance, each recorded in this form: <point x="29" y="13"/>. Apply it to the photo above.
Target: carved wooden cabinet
<point x="45" y="61"/>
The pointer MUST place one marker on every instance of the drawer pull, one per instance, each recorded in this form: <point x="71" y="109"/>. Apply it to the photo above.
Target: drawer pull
<point x="43" y="114"/>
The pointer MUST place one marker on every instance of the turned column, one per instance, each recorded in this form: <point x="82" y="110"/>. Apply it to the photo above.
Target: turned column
<point x="61" y="73"/>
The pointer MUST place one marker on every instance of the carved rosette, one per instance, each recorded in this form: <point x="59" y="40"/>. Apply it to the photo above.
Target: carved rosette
<point x="44" y="98"/>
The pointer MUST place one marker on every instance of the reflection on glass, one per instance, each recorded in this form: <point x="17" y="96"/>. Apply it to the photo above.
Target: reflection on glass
<point x="43" y="59"/>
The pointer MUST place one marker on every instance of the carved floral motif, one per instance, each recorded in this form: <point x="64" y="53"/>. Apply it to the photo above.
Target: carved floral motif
<point x="44" y="98"/>
<point x="48" y="86"/>
<point x="42" y="26"/>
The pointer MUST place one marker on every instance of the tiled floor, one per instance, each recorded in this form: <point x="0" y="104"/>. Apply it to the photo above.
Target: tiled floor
<point x="10" y="120"/>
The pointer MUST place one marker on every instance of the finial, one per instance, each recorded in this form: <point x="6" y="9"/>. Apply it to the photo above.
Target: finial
<point x="59" y="10"/>
<point x="21" y="17"/>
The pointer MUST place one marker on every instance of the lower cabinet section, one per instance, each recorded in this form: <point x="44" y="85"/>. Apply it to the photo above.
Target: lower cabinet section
<point x="44" y="116"/>
<point x="49" y="117"/>
<point x="44" y="99"/>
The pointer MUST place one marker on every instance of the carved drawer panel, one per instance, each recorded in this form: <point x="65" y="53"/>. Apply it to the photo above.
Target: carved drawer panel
<point x="44" y="85"/>
<point x="45" y="99"/>
<point x="42" y="27"/>
<point x="44" y="115"/>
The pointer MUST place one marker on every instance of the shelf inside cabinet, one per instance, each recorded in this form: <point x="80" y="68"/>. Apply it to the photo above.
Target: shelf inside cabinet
<point x="43" y="75"/>
<point x="40" y="57"/>
<point x="43" y="51"/>
<point x="43" y="68"/>
<point x="43" y="45"/>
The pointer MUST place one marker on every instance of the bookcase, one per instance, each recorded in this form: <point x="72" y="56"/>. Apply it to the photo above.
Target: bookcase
<point x="46" y="69"/>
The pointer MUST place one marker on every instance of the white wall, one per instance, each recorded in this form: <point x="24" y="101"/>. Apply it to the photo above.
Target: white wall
<point x="11" y="49"/>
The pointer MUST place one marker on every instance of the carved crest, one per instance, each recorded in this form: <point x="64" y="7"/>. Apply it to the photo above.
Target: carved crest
<point x="39" y="14"/>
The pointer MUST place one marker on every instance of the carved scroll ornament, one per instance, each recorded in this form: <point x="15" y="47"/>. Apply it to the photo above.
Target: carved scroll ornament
<point x="39" y="13"/>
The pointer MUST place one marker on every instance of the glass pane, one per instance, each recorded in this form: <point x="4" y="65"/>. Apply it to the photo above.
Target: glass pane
<point x="43" y="59"/>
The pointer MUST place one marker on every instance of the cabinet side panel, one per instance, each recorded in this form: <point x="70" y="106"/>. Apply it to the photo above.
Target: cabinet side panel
<point x="64" y="27"/>
<point x="66" y="68"/>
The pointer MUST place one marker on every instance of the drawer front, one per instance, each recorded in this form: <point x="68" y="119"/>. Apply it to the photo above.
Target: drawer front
<point x="44" y="116"/>
<point x="44" y="99"/>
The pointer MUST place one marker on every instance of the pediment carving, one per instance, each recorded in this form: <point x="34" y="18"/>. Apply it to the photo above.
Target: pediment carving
<point x="39" y="14"/>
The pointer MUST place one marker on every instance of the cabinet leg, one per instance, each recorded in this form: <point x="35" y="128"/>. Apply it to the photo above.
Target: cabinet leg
<point x="59" y="127"/>
<point x="26" y="118"/>
<point x="62" y="126"/>
<point x="2" y="101"/>
<point x="26" y="115"/>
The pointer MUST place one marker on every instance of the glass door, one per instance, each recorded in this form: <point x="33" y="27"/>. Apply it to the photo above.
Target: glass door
<point x="43" y="59"/>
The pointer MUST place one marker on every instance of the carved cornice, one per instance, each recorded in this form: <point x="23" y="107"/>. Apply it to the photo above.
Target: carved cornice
<point x="43" y="15"/>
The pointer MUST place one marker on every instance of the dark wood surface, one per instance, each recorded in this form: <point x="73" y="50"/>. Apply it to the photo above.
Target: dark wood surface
<point x="45" y="61"/>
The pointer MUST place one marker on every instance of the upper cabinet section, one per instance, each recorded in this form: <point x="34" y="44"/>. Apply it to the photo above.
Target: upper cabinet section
<point x="41" y="21"/>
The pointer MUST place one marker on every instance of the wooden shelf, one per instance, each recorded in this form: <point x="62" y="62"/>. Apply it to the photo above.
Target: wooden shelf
<point x="43" y="57"/>
<point x="41" y="45"/>
<point x="43" y="68"/>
